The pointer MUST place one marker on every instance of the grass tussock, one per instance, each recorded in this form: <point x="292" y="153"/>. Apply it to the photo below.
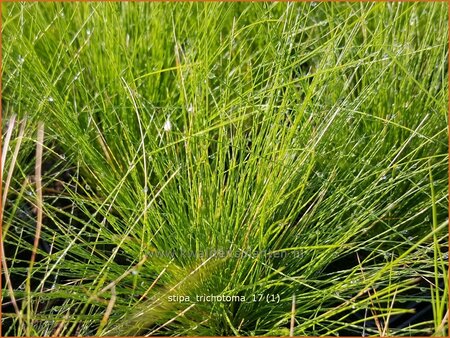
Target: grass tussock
<point x="291" y="156"/>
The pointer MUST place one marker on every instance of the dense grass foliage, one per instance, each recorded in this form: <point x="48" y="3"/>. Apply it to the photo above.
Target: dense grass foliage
<point x="296" y="151"/>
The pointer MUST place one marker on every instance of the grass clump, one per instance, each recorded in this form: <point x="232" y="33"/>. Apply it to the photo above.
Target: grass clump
<point x="252" y="151"/>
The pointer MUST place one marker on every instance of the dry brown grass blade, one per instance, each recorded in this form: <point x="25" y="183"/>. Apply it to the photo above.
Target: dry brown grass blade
<point x="291" y="331"/>
<point x="8" y="282"/>
<point x="11" y="124"/>
<point x="13" y="161"/>
<point x="108" y="311"/>
<point x="5" y="192"/>
<point x="60" y="326"/>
